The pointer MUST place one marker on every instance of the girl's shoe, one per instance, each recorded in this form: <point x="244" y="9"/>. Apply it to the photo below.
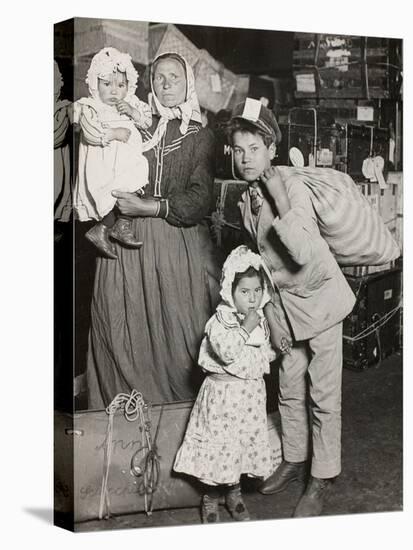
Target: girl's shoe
<point x="210" y="509"/>
<point x="122" y="232"/>
<point x="236" y="505"/>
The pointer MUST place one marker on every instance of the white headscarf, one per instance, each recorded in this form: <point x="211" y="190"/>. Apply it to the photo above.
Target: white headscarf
<point x="107" y="61"/>
<point x="240" y="259"/>
<point x="186" y="111"/>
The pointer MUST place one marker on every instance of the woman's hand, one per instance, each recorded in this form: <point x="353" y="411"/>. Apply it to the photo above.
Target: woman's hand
<point x="276" y="188"/>
<point x="132" y="205"/>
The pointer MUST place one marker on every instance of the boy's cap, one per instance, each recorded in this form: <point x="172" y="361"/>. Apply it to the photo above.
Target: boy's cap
<point x="259" y="116"/>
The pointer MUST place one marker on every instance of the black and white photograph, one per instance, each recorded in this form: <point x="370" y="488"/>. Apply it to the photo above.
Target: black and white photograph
<point x="229" y="230"/>
<point x="227" y="270"/>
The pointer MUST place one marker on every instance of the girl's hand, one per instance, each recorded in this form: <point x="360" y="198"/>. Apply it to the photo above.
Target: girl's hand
<point x="251" y="321"/>
<point x="124" y="108"/>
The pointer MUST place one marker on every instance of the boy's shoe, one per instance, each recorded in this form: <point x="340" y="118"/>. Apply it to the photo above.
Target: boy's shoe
<point x="236" y="505"/>
<point x="210" y="509"/>
<point x="286" y="473"/>
<point x="98" y="235"/>
<point x="122" y="232"/>
<point x="312" y="501"/>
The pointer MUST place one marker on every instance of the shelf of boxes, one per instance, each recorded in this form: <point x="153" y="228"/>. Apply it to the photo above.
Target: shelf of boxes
<point x="340" y="66"/>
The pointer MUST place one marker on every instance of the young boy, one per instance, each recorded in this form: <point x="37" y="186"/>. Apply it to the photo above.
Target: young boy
<point x="311" y="298"/>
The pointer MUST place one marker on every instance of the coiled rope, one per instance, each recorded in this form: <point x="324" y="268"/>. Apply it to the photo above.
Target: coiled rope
<point x="134" y="408"/>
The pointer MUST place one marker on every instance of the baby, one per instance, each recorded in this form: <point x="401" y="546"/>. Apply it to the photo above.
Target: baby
<point x="110" y="149"/>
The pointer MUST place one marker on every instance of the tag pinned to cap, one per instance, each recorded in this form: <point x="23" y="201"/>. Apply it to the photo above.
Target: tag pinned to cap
<point x="252" y="109"/>
<point x="259" y="115"/>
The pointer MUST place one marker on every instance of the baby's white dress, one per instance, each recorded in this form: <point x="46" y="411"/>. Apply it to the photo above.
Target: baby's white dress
<point x="104" y="167"/>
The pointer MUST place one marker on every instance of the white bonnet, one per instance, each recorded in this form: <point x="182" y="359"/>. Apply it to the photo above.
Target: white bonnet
<point x="107" y="61"/>
<point x="240" y="259"/>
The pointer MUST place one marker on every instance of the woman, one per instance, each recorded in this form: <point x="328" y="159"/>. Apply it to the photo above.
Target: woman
<point x="150" y="307"/>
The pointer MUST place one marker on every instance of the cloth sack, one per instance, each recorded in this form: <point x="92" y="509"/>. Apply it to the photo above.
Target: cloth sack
<point x="354" y="231"/>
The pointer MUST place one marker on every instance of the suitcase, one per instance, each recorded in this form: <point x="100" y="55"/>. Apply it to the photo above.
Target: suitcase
<point x="372" y="331"/>
<point x="363" y="142"/>
<point x="316" y="135"/>
<point x="81" y="446"/>
<point x="226" y="219"/>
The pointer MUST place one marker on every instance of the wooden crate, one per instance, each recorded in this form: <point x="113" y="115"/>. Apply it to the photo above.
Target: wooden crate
<point x="339" y="68"/>
<point x="91" y="35"/>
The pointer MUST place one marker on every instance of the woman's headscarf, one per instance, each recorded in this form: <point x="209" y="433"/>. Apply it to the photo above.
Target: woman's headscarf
<point x="240" y="259"/>
<point x="186" y="111"/>
<point x="107" y="61"/>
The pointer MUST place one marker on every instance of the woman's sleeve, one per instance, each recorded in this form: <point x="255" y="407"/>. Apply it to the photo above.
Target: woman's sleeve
<point x="298" y="227"/>
<point x="189" y="206"/>
<point x="92" y="129"/>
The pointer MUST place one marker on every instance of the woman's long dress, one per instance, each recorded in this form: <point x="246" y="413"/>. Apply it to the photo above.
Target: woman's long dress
<point x="149" y="307"/>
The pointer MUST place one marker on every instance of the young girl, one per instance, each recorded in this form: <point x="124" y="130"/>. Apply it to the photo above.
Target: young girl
<point x="227" y="432"/>
<point x="110" y="150"/>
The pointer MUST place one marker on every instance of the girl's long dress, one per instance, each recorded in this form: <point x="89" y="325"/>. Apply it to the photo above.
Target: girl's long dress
<point x="150" y="306"/>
